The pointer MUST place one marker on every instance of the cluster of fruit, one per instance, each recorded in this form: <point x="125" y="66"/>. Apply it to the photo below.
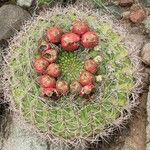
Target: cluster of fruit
<point x="49" y="69"/>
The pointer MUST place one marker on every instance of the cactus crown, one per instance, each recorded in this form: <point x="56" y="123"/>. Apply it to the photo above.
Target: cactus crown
<point x="70" y="65"/>
<point x="72" y="117"/>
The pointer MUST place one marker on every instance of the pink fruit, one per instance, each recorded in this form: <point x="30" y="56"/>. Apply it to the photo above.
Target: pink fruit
<point x="90" y="39"/>
<point x="75" y="87"/>
<point x="86" y="78"/>
<point x="50" y="55"/>
<point x="62" y="87"/>
<point x="53" y="70"/>
<point x="91" y="66"/>
<point x="40" y="65"/>
<point x="70" y="41"/>
<point x="80" y="27"/>
<point x="48" y="91"/>
<point x="54" y="35"/>
<point x="87" y="89"/>
<point x="47" y="82"/>
<point x="43" y="46"/>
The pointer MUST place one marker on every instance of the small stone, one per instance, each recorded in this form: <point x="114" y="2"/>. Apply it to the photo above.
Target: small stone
<point x="147" y="3"/>
<point x="115" y="10"/>
<point x="137" y="16"/>
<point x="126" y="14"/>
<point x="11" y="19"/>
<point x="125" y="2"/>
<point x="147" y="24"/>
<point x="147" y="70"/>
<point x="144" y="77"/>
<point x="145" y="54"/>
<point x="24" y="3"/>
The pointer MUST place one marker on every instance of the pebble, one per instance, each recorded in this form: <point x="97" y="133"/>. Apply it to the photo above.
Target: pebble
<point x="145" y="54"/>
<point x="137" y="16"/>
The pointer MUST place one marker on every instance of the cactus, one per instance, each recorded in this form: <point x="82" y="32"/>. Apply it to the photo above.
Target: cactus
<point x="71" y="117"/>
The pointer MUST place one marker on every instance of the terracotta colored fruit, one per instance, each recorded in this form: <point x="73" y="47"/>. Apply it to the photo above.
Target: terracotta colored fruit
<point x="47" y="82"/>
<point x="86" y="78"/>
<point x="53" y="70"/>
<point x="87" y="89"/>
<point x="75" y="87"/>
<point x="90" y="39"/>
<point x="62" y="87"/>
<point x="54" y="35"/>
<point x="48" y="91"/>
<point x="43" y="46"/>
<point x="80" y="27"/>
<point x="70" y="41"/>
<point x="50" y="55"/>
<point x="40" y="65"/>
<point x="91" y="66"/>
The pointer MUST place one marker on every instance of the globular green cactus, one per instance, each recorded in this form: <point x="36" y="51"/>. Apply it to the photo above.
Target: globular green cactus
<point x="72" y="117"/>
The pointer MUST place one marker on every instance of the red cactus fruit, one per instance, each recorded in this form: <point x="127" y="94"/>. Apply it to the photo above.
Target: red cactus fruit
<point x="70" y="41"/>
<point x="43" y="46"/>
<point x="62" y="87"/>
<point x="48" y="91"/>
<point x="40" y="65"/>
<point x="91" y="66"/>
<point x="54" y="35"/>
<point x="53" y="70"/>
<point x="47" y="82"/>
<point x="75" y="87"/>
<point x="50" y="55"/>
<point x="90" y="39"/>
<point x="80" y="27"/>
<point x="86" y="78"/>
<point x="87" y="89"/>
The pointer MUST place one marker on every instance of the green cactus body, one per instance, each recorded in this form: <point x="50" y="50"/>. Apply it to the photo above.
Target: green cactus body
<point x="71" y="117"/>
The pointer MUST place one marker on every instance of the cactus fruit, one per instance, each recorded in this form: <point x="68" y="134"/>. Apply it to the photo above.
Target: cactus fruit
<point x="50" y="55"/>
<point x="73" y="117"/>
<point x="40" y="65"/>
<point x="80" y="27"/>
<point x="91" y="66"/>
<point x="62" y="87"/>
<point x="70" y="41"/>
<point x="54" y="35"/>
<point x="43" y="46"/>
<point x="90" y="39"/>
<point x="86" y="78"/>
<point x="47" y="81"/>
<point x="87" y="89"/>
<point x="48" y="91"/>
<point x="53" y="70"/>
<point x="75" y="87"/>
